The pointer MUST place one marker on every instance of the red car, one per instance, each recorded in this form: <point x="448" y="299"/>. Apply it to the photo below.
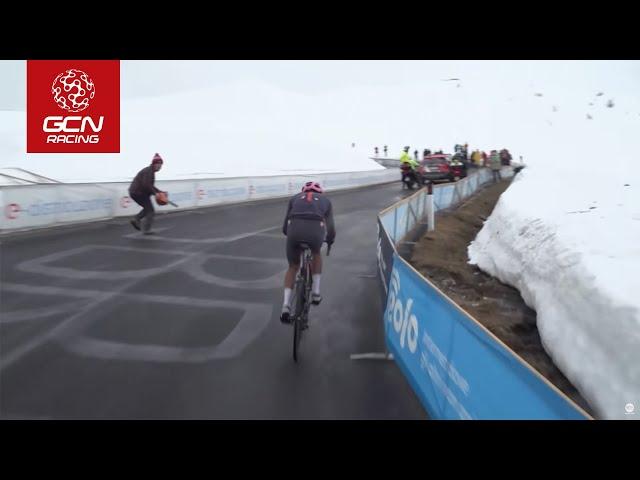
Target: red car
<point x="440" y="167"/>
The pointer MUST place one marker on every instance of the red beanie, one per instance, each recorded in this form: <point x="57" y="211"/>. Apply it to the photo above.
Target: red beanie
<point x="156" y="159"/>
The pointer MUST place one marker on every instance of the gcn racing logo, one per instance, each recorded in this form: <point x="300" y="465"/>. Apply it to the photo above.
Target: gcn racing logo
<point x="72" y="91"/>
<point x="73" y="106"/>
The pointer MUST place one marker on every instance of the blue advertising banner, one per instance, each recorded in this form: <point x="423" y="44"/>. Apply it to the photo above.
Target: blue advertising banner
<point x="457" y="369"/>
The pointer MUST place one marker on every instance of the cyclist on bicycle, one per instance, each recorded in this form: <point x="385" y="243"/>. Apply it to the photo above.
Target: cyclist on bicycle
<point x="309" y="220"/>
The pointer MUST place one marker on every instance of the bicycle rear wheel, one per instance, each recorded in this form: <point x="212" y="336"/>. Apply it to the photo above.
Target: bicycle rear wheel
<point x="297" y="331"/>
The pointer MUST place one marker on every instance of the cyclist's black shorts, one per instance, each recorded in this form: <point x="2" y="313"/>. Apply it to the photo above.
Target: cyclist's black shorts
<point x="301" y="230"/>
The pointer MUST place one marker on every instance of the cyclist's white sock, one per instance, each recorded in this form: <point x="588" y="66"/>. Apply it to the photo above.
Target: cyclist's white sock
<point x="315" y="288"/>
<point x="287" y="296"/>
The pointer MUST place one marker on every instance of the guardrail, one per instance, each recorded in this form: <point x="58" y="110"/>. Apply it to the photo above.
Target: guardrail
<point x="456" y="367"/>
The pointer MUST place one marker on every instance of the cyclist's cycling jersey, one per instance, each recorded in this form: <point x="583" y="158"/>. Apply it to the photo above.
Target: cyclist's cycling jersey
<point x="311" y="206"/>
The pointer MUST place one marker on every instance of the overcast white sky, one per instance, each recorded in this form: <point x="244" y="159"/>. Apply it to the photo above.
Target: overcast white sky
<point x="150" y="78"/>
<point x="308" y="114"/>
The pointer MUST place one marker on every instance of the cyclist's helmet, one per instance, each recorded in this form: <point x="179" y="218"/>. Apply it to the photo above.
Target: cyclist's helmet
<point x="312" y="187"/>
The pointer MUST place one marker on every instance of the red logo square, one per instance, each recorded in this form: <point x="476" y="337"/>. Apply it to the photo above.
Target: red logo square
<point x="73" y="106"/>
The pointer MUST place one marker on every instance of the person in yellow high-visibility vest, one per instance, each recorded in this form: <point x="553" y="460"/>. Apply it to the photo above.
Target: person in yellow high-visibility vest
<point x="476" y="157"/>
<point x="405" y="158"/>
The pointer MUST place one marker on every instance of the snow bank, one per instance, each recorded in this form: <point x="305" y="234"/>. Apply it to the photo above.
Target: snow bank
<point x="568" y="238"/>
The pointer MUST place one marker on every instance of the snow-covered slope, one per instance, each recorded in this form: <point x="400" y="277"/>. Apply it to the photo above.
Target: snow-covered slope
<point x="567" y="235"/>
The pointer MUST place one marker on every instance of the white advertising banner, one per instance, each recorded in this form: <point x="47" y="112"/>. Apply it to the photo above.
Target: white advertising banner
<point x="36" y="206"/>
<point x="219" y="191"/>
<point x="41" y="205"/>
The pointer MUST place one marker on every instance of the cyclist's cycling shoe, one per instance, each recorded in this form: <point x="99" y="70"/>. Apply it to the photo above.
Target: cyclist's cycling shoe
<point x="316" y="299"/>
<point x="285" y="316"/>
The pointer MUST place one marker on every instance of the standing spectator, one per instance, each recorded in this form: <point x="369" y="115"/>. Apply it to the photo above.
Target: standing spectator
<point x="376" y="150"/>
<point x="385" y="151"/>
<point x="476" y="157"/>
<point x="507" y="156"/>
<point x="415" y="154"/>
<point x="504" y="160"/>
<point x="484" y="159"/>
<point x="496" y="164"/>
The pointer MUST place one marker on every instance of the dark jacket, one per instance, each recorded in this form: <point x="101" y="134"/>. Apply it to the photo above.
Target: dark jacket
<point x="311" y="206"/>
<point x="143" y="183"/>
